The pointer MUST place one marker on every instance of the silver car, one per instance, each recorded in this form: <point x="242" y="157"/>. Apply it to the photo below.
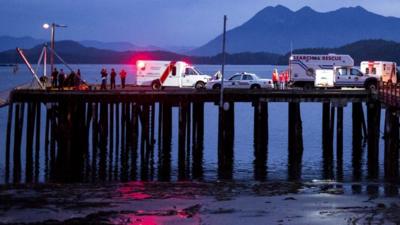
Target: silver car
<point x="243" y="81"/>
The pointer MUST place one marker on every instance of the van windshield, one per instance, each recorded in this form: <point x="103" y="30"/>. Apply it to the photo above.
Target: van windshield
<point x="198" y="71"/>
<point x="191" y="71"/>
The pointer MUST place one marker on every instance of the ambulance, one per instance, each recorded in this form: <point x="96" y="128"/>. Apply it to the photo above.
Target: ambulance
<point x="160" y="74"/>
<point x="302" y="67"/>
<point x="385" y="71"/>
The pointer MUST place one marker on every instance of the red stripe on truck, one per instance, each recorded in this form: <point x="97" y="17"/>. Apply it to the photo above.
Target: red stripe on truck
<point x="167" y="71"/>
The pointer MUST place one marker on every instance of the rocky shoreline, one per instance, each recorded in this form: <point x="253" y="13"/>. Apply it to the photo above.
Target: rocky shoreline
<point x="201" y="203"/>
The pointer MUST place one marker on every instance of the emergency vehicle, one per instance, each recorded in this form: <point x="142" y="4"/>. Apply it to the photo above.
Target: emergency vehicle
<point x="385" y="71"/>
<point x="302" y="67"/>
<point x="344" y="76"/>
<point x="160" y="74"/>
<point x="242" y="80"/>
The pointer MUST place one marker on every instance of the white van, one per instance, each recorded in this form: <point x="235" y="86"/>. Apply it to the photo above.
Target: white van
<point x="345" y="76"/>
<point x="160" y="74"/>
<point x="302" y="67"/>
<point x="384" y="70"/>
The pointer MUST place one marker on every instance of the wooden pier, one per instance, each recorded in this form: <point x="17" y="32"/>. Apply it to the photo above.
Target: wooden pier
<point x="105" y="135"/>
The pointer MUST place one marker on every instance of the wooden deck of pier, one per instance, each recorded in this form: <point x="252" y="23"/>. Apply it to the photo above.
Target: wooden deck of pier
<point x="190" y="95"/>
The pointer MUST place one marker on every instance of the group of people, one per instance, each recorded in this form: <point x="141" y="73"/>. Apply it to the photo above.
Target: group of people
<point x="60" y="80"/>
<point x="113" y="75"/>
<point x="280" y="80"/>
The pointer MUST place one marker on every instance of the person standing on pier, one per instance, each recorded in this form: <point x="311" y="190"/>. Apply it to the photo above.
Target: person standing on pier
<point x="61" y="79"/>
<point x="281" y="81"/>
<point x="275" y="78"/>
<point x="54" y="77"/>
<point x="113" y="74"/>
<point x="122" y="75"/>
<point x="103" y="79"/>
<point x="286" y="73"/>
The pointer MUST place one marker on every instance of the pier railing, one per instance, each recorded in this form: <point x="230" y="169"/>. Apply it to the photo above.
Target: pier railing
<point x="389" y="94"/>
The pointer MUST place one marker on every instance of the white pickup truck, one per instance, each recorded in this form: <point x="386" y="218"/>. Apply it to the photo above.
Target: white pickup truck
<point x="343" y="76"/>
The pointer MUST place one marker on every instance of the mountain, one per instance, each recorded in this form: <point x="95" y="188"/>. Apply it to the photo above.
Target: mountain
<point x="116" y="46"/>
<point x="8" y="42"/>
<point x="273" y="29"/>
<point x="75" y="53"/>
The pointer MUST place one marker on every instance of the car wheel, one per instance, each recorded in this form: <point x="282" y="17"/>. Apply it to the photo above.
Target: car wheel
<point x="217" y="86"/>
<point x="156" y="85"/>
<point x="200" y="85"/>
<point x="255" y="86"/>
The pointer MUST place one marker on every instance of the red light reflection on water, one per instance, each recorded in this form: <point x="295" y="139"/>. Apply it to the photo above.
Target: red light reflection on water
<point x="143" y="220"/>
<point x="134" y="191"/>
<point x="158" y="220"/>
<point x="158" y="216"/>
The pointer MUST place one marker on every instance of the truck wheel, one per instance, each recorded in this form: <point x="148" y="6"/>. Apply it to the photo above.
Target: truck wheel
<point x="217" y="86"/>
<point x="308" y="86"/>
<point x="255" y="86"/>
<point x="371" y="85"/>
<point x="156" y="85"/>
<point x="200" y="85"/>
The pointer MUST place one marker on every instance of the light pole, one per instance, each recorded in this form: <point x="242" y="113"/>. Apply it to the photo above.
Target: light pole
<point x="221" y="103"/>
<point x="53" y="30"/>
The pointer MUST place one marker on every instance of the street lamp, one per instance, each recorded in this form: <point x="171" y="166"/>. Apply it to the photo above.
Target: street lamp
<point x="53" y="30"/>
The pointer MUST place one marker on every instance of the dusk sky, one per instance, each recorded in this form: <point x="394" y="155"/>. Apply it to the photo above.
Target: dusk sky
<point x="151" y="22"/>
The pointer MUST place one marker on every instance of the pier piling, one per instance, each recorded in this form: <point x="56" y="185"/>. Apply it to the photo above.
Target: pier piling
<point x="197" y="140"/>
<point x="295" y="142"/>
<point x="374" y="116"/>
<point x="391" y="145"/>
<point x="226" y="132"/>
<point x="260" y="133"/>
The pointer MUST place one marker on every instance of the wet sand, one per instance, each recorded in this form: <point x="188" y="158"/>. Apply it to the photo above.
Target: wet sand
<point x="190" y="203"/>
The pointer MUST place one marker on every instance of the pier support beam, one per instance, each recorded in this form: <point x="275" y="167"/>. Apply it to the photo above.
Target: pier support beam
<point x="327" y="142"/>
<point x="183" y="112"/>
<point x="226" y="133"/>
<point x="18" y="127"/>
<point x="339" y="144"/>
<point x="357" y="118"/>
<point x="8" y="141"/>
<point x="134" y="140"/>
<point x="325" y="125"/>
<point x="164" y="142"/>
<point x="30" y="129"/>
<point x="37" y="141"/>
<point x="197" y="140"/>
<point x="374" y="117"/>
<point x="391" y="145"/>
<point x="295" y="136"/>
<point x="260" y="140"/>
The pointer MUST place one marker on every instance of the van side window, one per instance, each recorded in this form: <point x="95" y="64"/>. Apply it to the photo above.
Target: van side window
<point x="342" y="71"/>
<point x="174" y="71"/>
<point x="355" y="72"/>
<point x="190" y="71"/>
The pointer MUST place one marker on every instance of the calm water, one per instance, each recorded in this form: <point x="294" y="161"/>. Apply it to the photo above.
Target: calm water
<point x="243" y="143"/>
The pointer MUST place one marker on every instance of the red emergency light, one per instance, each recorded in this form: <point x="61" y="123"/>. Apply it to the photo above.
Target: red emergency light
<point x="140" y="65"/>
